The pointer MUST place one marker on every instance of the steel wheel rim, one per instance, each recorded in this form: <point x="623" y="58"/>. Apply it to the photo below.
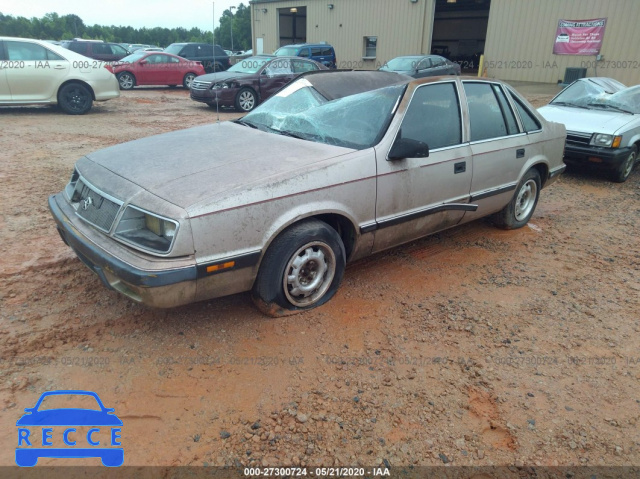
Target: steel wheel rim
<point x="188" y="79"/>
<point x="246" y="100"/>
<point x="628" y="166"/>
<point x="126" y="81"/>
<point x="526" y="199"/>
<point x="76" y="99"/>
<point x="309" y="274"/>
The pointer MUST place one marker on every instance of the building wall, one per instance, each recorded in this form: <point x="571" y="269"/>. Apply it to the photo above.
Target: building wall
<point x="521" y="34"/>
<point x="402" y="27"/>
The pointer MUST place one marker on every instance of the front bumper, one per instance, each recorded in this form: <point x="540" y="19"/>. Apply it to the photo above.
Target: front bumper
<point x="609" y="158"/>
<point x="162" y="288"/>
<point x="223" y="97"/>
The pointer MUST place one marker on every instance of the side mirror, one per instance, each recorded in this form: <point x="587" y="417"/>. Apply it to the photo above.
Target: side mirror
<point x="143" y="62"/>
<point x="408" y="148"/>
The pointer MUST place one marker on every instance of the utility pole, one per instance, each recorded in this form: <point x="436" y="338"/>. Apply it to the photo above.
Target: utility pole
<point x="231" y="10"/>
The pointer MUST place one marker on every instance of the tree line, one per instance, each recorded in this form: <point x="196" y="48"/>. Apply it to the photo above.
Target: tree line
<point x="55" y="27"/>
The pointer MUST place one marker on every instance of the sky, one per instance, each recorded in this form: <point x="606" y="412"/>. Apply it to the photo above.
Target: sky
<point x="134" y="13"/>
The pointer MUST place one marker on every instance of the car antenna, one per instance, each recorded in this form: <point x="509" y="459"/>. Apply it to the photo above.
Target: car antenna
<point x="213" y="36"/>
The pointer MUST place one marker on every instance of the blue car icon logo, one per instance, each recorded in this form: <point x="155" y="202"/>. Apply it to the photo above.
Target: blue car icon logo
<point x="69" y="432"/>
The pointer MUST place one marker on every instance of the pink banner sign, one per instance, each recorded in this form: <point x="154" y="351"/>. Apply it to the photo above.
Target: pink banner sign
<point x="579" y="37"/>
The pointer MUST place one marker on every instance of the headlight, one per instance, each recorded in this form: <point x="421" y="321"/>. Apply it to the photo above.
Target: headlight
<point x="219" y="86"/>
<point x="146" y="230"/>
<point x="601" y="139"/>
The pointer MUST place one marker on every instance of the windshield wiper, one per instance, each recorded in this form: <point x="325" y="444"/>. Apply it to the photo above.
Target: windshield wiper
<point x="607" y="106"/>
<point x="287" y="133"/>
<point x="564" y="103"/>
<point x="246" y="123"/>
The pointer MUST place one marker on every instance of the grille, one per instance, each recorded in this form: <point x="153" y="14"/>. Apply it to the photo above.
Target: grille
<point x="578" y="138"/>
<point x="95" y="208"/>
<point x="200" y="85"/>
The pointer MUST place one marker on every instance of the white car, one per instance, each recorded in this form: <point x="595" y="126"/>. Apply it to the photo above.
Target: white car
<point x="38" y="72"/>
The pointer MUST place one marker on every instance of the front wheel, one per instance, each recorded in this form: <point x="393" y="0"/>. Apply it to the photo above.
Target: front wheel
<point x="246" y="100"/>
<point x="302" y="269"/>
<point x="188" y="78"/>
<point x="126" y="80"/>
<point x="621" y="173"/>
<point x="520" y="209"/>
<point x="75" y="99"/>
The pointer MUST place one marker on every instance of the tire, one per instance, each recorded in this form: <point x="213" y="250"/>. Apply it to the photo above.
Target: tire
<point x="75" y="99"/>
<point x="302" y="269"/>
<point x="246" y="100"/>
<point x="188" y="78"/>
<point x="521" y="207"/>
<point x="126" y="80"/>
<point x="621" y="173"/>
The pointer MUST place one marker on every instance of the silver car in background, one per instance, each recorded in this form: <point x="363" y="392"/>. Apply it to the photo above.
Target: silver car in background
<point x="602" y="117"/>
<point x="334" y="167"/>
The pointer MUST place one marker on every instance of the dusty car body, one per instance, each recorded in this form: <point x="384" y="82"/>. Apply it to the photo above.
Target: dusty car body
<point x="332" y="168"/>
<point x="602" y="118"/>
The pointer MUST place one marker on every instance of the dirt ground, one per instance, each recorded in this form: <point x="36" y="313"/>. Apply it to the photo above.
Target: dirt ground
<point x="475" y="346"/>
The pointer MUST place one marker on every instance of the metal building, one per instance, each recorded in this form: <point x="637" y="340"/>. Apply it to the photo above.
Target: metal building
<point x="516" y="36"/>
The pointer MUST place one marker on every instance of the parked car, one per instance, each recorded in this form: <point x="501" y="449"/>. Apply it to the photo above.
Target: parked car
<point x="336" y="166"/>
<point x="38" y="72"/>
<point x="153" y="49"/>
<point x="320" y="52"/>
<point x="420" y="66"/>
<point x="98" y="50"/>
<point x="602" y="117"/>
<point x="213" y="59"/>
<point x="133" y="47"/>
<point x="154" y="68"/>
<point x="250" y="81"/>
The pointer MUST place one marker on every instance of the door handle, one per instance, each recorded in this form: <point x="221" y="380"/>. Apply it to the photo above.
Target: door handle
<point x="59" y="67"/>
<point x="520" y="153"/>
<point x="459" y="167"/>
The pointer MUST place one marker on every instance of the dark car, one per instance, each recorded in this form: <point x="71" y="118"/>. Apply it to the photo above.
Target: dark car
<point x="250" y="81"/>
<point x="108" y="52"/>
<point x="212" y="59"/>
<point x="155" y="68"/>
<point x="420" y="66"/>
<point x="319" y="52"/>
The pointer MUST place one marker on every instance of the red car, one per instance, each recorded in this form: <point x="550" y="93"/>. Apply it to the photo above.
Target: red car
<point x="155" y="68"/>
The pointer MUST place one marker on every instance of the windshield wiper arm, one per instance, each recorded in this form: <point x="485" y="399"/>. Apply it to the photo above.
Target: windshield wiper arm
<point x="287" y="133"/>
<point x="246" y="123"/>
<point x="564" y="103"/>
<point x="606" y="105"/>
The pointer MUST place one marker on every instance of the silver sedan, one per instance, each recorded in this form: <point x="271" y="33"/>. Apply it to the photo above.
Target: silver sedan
<point x="334" y="167"/>
<point x="602" y="118"/>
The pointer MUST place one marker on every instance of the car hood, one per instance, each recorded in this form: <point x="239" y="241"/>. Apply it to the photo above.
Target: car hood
<point x="220" y="76"/>
<point x="69" y="417"/>
<point x="587" y="121"/>
<point x="188" y="166"/>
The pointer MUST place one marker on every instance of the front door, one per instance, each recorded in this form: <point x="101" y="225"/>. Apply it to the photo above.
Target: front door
<point x="276" y="74"/>
<point x="419" y="196"/>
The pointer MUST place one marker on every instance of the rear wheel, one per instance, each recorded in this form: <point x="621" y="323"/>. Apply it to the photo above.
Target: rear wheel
<point x="75" y="99"/>
<point x="126" y="80"/>
<point x="621" y="173"/>
<point x="302" y="269"/>
<point x="520" y="209"/>
<point x="188" y="78"/>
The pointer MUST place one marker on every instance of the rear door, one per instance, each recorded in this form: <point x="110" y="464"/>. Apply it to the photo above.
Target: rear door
<point x="38" y="71"/>
<point x="419" y="196"/>
<point x="500" y="148"/>
<point x="5" y="92"/>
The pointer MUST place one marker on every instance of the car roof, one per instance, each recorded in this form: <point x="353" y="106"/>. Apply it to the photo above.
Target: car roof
<point x="308" y="45"/>
<point x="338" y="84"/>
